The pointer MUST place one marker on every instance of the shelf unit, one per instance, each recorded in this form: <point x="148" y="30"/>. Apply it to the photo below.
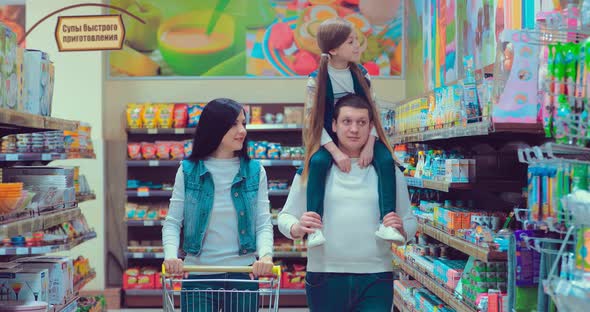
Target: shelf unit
<point x="13" y="122"/>
<point x="434" y="286"/>
<point x="499" y="174"/>
<point x="163" y="171"/>
<point x="479" y="252"/>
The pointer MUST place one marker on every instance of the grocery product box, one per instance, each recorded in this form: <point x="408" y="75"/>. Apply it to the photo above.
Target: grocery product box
<point x="36" y="79"/>
<point x="47" y="99"/>
<point x="20" y="79"/>
<point x="61" y="276"/>
<point x="26" y="284"/>
<point x="8" y="78"/>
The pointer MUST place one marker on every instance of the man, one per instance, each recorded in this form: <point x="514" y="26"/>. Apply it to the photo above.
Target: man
<point x="352" y="270"/>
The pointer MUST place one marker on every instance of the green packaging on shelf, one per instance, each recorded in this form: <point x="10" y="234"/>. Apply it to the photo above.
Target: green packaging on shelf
<point x="8" y="73"/>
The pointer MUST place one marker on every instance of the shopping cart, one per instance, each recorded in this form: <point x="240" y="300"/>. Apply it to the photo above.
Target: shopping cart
<point x="228" y="294"/>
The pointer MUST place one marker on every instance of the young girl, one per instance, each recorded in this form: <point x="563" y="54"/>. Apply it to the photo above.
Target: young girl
<point x="340" y="74"/>
<point x="220" y="198"/>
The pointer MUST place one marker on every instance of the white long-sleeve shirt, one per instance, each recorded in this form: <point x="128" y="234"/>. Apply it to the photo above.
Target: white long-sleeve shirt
<point x="342" y="84"/>
<point x="221" y="242"/>
<point x="351" y="218"/>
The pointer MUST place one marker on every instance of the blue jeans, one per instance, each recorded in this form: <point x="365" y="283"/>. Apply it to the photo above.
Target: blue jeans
<point x="202" y="296"/>
<point x="343" y="292"/>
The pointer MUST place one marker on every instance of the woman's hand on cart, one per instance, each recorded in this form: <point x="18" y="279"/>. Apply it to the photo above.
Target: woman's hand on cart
<point x="263" y="267"/>
<point x="174" y="266"/>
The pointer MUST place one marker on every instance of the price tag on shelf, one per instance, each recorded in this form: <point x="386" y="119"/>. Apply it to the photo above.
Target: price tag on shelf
<point x="149" y="223"/>
<point x="179" y="131"/>
<point x="143" y="192"/>
<point x="152" y="131"/>
<point x="154" y="163"/>
<point x="2" y="251"/>
<point x="137" y="255"/>
<point x="46" y="157"/>
<point x="11" y="157"/>
<point x="22" y="251"/>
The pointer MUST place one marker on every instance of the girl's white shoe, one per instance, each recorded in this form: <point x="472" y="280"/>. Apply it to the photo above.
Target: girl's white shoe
<point x="389" y="233"/>
<point x="315" y="239"/>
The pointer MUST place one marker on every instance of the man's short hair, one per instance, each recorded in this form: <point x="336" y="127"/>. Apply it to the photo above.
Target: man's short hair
<point x="354" y="101"/>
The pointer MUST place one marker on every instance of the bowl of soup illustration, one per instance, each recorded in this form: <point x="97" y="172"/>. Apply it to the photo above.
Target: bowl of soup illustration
<point x="188" y="49"/>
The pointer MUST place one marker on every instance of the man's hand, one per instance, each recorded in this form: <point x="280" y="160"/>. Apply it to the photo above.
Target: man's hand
<point x="262" y="267"/>
<point x="174" y="266"/>
<point x="308" y="223"/>
<point x="392" y="219"/>
<point x="342" y="161"/>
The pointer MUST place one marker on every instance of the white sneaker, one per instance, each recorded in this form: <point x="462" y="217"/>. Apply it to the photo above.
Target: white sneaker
<point x="389" y="233"/>
<point x="315" y="239"/>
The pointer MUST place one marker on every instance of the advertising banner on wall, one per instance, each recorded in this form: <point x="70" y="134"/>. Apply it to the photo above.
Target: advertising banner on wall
<point x="250" y="38"/>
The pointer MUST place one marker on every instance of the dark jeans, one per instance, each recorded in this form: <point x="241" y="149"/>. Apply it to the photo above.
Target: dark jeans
<point x="383" y="163"/>
<point x="199" y="296"/>
<point x="342" y="292"/>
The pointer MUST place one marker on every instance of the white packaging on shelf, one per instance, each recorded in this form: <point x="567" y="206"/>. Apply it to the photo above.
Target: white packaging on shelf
<point x="36" y="79"/>
<point x="25" y="285"/>
<point x="60" y="281"/>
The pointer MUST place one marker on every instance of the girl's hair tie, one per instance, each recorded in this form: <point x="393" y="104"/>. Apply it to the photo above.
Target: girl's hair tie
<point x="326" y="55"/>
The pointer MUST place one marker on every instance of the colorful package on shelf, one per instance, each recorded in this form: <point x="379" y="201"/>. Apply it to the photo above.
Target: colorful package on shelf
<point x="49" y="83"/>
<point x="61" y="279"/>
<point x="135" y="278"/>
<point x="294" y="278"/>
<point x="36" y="78"/>
<point x="148" y="115"/>
<point x="518" y="102"/>
<point x="134" y="113"/>
<point x="8" y="69"/>
<point x="165" y="116"/>
<point x="449" y="271"/>
<point x="180" y="115"/>
<point x="194" y="114"/>
<point x="24" y="285"/>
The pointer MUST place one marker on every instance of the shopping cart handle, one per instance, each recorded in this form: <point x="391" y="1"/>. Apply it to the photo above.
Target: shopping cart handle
<point x="276" y="270"/>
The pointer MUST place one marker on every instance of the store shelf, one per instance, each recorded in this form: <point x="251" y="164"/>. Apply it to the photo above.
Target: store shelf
<point x="32" y="157"/>
<point x="400" y="304"/>
<point x="434" y="286"/>
<point x="12" y="121"/>
<point x="24" y="251"/>
<point x="83" y="282"/>
<point x="437" y="185"/>
<point x="140" y="223"/>
<point x="71" y="306"/>
<point x="20" y="157"/>
<point x="153" y="163"/>
<point x="85" y="197"/>
<point x="38" y="222"/>
<point x="289" y="254"/>
<point x="481" y="253"/>
<point x="144" y="255"/>
<point x="149" y="193"/>
<point x="250" y="127"/>
<point x="473" y="129"/>
<point x="278" y="192"/>
<point x="143" y="292"/>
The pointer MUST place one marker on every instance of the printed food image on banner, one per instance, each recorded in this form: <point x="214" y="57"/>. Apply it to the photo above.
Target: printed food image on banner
<point x="251" y="38"/>
<point x="14" y="17"/>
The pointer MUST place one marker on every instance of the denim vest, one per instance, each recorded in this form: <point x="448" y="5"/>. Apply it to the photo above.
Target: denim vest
<point x="199" y="191"/>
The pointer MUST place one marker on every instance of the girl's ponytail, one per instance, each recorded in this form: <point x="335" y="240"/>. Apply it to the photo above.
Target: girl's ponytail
<point x="312" y="130"/>
<point x="377" y="119"/>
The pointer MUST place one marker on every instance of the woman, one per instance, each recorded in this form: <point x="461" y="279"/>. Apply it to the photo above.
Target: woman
<point x="220" y="199"/>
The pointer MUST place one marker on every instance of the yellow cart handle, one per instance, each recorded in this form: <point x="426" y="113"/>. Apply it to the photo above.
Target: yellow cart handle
<point x="276" y="270"/>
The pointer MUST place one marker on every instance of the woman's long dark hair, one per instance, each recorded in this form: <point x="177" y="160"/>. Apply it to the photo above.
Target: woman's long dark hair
<point x="217" y="118"/>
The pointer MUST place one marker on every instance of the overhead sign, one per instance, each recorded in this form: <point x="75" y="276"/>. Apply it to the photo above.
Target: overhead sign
<point x="89" y="33"/>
